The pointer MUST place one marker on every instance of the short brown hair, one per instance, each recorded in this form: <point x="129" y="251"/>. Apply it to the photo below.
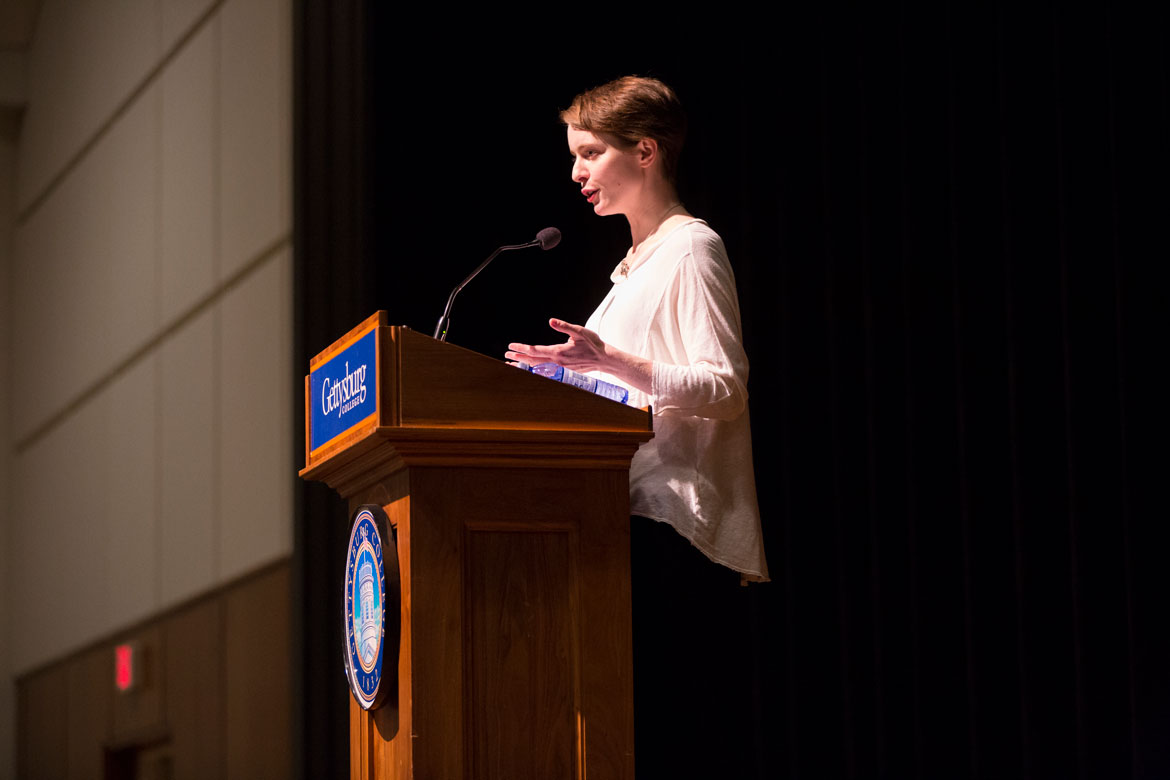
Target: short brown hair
<point x="632" y="108"/>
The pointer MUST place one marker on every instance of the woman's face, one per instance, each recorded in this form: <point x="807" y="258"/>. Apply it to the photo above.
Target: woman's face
<point x="611" y="178"/>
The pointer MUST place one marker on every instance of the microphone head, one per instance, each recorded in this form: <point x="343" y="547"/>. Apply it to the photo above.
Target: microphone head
<point x="548" y="238"/>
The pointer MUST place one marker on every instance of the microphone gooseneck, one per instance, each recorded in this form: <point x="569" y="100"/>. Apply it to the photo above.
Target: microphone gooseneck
<point x="545" y="239"/>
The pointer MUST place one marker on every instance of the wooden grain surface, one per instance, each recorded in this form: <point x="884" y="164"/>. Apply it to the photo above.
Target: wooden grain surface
<point x="257" y="685"/>
<point x="194" y="681"/>
<point x="43" y="744"/>
<point x="441" y="385"/>
<point x="88" y="710"/>
<point x="516" y="647"/>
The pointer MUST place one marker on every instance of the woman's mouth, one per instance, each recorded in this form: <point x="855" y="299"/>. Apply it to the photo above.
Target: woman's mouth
<point x="590" y="195"/>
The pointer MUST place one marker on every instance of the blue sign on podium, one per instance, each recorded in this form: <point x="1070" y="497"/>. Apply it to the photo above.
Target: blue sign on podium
<point x="343" y="392"/>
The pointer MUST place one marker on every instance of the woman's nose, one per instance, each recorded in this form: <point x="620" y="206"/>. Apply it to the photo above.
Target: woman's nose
<point x="579" y="172"/>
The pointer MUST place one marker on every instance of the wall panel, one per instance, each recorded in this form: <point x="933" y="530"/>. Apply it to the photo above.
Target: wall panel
<point x="48" y="275"/>
<point x="255" y="117"/>
<point x="57" y="506"/>
<point x="258" y="703"/>
<point x="128" y="462"/>
<point x="256" y="441"/>
<point x="188" y="517"/>
<point x="127" y="167"/>
<point x="85" y="270"/>
<point x="86" y="59"/>
<point x="86" y="506"/>
<point x="43" y="739"/>
<point x="87" y="712"/>
<point x="194" y="678"/>
<point x="189" y="170"/>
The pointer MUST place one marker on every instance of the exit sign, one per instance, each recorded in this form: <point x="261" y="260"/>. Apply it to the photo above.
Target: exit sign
<point x="127" y="666"/>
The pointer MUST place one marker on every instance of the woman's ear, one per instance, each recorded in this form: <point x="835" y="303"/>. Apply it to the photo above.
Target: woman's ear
<point x="647" y="150"/>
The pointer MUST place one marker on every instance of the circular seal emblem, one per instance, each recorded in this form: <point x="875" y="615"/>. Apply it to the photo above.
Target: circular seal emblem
<point x="368" y="602"/>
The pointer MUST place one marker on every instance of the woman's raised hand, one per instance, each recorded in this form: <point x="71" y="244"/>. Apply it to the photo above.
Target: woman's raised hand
<point x="585" y="351"/>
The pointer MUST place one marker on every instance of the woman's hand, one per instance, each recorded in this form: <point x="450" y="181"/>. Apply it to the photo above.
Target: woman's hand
<point x="585" y="351"/>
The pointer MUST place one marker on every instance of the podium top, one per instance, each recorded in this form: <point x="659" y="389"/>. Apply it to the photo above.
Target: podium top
<point x="381" y="385"/>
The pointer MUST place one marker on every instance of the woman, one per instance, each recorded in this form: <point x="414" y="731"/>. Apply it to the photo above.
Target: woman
<point x="669" y="330"/>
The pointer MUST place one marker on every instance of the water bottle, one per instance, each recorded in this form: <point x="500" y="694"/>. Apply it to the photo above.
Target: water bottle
<point x="562" y="374"/>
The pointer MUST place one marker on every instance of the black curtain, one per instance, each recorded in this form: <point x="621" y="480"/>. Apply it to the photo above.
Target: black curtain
<point x="946" y="228"/>
<point x="333" y="289"/>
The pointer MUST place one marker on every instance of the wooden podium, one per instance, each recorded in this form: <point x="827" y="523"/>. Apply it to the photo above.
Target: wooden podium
<point x="509" y="494"/>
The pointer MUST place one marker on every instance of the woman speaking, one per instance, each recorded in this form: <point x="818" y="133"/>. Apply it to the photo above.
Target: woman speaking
<point x="669" y="331"/>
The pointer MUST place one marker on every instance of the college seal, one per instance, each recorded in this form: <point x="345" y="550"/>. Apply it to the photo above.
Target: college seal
<point x="371" y="607"/>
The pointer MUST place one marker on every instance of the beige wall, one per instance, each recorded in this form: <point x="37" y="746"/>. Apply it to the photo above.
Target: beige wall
<point x="148" y="456"/>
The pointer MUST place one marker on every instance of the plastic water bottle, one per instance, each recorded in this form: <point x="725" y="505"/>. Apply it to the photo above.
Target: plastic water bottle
<point x="562" y="374"/>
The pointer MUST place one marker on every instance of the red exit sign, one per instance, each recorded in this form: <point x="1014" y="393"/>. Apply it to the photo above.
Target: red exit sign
<point x="127" y="666"/>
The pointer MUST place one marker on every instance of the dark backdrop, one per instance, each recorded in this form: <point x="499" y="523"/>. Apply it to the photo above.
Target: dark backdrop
<point x="946" y="230"/>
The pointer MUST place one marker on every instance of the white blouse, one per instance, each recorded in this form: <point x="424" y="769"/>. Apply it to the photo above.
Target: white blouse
<point x="677" y="306"/>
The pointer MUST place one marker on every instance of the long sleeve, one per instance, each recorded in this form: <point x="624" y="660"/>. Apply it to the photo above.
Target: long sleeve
<point x="701" y="325"/>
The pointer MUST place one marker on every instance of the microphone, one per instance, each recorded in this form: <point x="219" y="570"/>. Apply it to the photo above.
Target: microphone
<point x="545" y="239"/>
<point x="548" y="238"/>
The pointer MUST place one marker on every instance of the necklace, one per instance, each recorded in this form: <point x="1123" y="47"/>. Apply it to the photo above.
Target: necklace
<point x="624" y="265"/>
